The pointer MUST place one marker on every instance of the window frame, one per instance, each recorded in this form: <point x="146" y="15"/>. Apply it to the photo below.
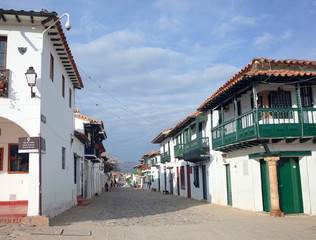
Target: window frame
<point x="5" y="53"/>
<point x="9" y="161"/>
<point x="63" y="158"/>
<point x="51" y="66"/>
<point x="196" y="176"/>
<point x="306" y="92"/>
<point x="70" y="98"/>
<point x="63" y="85"/>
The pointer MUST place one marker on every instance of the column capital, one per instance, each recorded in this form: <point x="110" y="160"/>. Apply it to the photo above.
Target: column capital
<point x="271" y="159"/>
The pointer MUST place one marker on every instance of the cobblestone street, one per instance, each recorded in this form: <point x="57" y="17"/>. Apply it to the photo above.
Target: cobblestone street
<point x="127" y="213"/>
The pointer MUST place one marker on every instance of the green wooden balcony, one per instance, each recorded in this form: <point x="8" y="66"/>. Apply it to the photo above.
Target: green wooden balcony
<point x="197" y="150"/>
<point x="165" y="157"/>
<point x="264" y="123"/>
<point x="178" y="150"/>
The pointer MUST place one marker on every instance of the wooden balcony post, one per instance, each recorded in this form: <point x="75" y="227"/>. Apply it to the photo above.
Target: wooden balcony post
<point x="274" y="191"/>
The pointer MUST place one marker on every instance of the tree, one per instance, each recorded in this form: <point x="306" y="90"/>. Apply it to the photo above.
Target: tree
<point x="111" y="164"/>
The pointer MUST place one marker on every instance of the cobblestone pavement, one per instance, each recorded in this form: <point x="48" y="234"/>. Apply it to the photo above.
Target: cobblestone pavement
<point x="127" y="213"/>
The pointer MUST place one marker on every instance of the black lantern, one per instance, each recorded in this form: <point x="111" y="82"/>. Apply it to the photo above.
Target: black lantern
<point x="31" y="79"/>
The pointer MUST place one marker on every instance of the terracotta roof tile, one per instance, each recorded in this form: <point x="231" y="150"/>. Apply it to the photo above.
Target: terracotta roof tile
<point x="267" y="67"/>
<point x="184" y="123"/>
<point x="151" y="153"/>
<point x="161" y="136"/>
<point x="86" y="118"/>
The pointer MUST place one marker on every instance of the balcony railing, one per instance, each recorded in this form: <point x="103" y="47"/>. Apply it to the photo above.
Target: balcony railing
<point x="4" y="85"/>
<point x="178" y="150"/>
<point x="266" y="123"/>
<point x="197" y="150"/>
<point x="165" y="157"/>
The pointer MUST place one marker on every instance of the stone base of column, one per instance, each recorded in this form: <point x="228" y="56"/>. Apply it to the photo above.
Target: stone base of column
<point x="276" y="213"/>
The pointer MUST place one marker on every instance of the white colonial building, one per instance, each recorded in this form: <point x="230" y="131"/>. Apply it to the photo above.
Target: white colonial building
<point x="251" y="145"/>
<point x="89" y="166"/>
<point x="39" y="174"/>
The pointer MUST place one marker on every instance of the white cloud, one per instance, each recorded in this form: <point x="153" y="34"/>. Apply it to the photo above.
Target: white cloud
<point x="267" y="40"/>
<point x="169" y="23"/>
<point x="264" y="41"/>
<point x="233" y="24"/>
<point x="242" y="20"/>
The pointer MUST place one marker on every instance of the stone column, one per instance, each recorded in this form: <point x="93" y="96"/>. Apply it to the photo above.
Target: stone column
<point x="274" y="191"/>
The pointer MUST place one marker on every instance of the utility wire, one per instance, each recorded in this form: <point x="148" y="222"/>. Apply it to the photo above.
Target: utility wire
<point x="115" y="115"/>
<point x="122" y="106"/>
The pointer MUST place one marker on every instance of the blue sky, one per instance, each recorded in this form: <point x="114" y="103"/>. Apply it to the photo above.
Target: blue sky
<point x="147" y="64"/>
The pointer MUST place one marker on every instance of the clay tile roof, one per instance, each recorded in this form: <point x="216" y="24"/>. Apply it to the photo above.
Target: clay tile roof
<point x="161" y="136"/>
<point x="184" y="123"/>
<point x="86" y="118"/>
<point x="266" y="67"/>
<point x="46" y="18"/>
<point x="151" y="153"/>
<point x="77" y="84"/>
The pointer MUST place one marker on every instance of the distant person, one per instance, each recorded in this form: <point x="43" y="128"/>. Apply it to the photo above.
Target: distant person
<point x="106" y="187"/>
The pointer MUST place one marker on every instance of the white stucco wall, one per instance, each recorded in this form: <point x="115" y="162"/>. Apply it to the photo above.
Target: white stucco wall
<point x="58" y="186"/>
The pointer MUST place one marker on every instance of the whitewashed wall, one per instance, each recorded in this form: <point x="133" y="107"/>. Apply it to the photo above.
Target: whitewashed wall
<point x="58" y="185"/>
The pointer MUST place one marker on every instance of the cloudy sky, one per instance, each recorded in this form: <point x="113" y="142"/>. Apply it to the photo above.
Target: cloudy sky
<point x="147" y="64"/>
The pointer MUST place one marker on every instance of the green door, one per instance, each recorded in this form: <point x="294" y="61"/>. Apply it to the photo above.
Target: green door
<point x="289" y="181"/>
<point x="265" y="185"/>
<point x="228" y="186"/>
<point x="290" y="190"/>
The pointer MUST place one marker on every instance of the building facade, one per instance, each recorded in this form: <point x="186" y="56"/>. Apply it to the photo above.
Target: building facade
<point x="40" y="154"/>
<point x="251" y="145"/>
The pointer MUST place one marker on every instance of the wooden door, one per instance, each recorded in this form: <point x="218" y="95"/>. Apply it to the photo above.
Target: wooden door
<point x="189" y="181"/>
<point x="290" y="190"/>
<point x="204" y="182"/>
<point x="265" y="185"/>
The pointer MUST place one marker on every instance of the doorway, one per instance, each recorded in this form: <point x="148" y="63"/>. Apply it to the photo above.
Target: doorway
<point x="188" y="180"/>
<point x="204" y="182"/>
<point x="289" y="185"/>
<point x="171" y="182"/>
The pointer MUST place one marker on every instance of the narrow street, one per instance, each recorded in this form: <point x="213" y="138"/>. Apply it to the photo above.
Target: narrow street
<point x="127" y="213"/>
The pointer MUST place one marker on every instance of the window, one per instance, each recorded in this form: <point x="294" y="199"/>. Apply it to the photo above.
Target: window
<point x="3" y="52"/>
<point x="220" y="116"/>
<point x="1" y="159"/>
<point x="239" y="108"/>
<point x="70" y="97"/>
<point x="280" y="99"/>
<point x="51" y="67"/>
<point x="182" y="178"/>
<point x="307" y="96"/>
<point x="63" y="158"/>
<point x="18" y="162"/>
<point x="196" y="181"/>
<point x="63" y="86"/>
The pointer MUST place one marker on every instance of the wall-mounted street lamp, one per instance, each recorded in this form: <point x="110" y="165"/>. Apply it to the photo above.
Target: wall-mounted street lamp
<point x="31" y="77"/>
<point x="67" y="25"/>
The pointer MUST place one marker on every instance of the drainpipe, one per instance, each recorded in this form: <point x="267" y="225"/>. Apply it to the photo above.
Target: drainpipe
<point x="40" y="173"/>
